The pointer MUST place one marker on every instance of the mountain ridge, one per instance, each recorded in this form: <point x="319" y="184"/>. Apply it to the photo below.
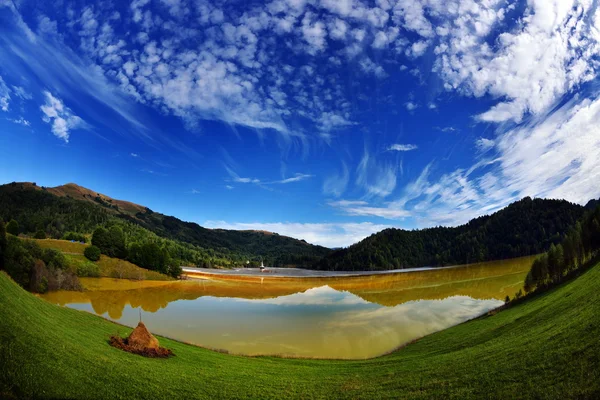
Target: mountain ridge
<point x="525" y="227"/>
<point x="30" y="205"/>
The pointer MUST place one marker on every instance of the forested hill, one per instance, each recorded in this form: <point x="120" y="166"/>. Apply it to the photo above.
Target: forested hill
<point x="525" y="227"/>
<point x="72" y="208"/>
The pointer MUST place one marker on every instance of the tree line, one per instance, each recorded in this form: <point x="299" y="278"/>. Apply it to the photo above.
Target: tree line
<point x="575" y="251"/>
<point x="149" y="254"/>
<point x="526" y="227"/>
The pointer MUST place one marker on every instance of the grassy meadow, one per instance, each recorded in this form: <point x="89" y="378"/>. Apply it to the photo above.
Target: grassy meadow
<point x="107" y="266"/>
<point x="546" y="347"/>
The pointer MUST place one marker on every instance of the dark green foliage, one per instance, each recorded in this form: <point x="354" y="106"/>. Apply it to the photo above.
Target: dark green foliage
<point x="175" y="270"/>
<point x="110" y="241"/>
<point x="523" y="228"/>
<point x="38" y="269"/>
<point x="40" y="234"/>
<point x="92" y="253"/>
<point x="150" y="256"/>
<point x="57" y="215"/>
<point x="18" y="261"/>
<point x="13" y="227"/>
<point x="581" y="245"/>
<point x="77" y="237"/>
<point x="101" y="239"/>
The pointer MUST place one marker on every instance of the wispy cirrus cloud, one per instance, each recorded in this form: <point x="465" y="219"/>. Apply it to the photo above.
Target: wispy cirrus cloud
<point x="374" y="177"/>
<point x="325" y="234"/>
<point x="402" y="147"/>
<point x="336" y="184"/>
<point x="4" y="95"/>
<point x="234" y="177"/>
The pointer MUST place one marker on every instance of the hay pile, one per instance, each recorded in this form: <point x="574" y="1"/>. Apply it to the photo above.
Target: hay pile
<point x="141" y="342"/>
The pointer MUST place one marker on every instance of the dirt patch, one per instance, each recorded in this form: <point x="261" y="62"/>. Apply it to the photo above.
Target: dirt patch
<point x="141" y="342"/>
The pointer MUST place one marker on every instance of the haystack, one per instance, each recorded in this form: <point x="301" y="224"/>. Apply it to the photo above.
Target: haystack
<point x="141" y="342"/>
<point x="142" y="339"/>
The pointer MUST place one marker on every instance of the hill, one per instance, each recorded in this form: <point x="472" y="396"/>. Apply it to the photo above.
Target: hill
<point x="523" y="228"/>
<point x="73" y="208"/>
<point x="544" y="347"/>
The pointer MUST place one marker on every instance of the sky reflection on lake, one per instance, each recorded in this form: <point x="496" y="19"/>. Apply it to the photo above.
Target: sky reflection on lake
<point x="324" y="318"/>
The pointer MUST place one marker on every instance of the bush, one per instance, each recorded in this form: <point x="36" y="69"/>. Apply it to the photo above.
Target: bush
<point x="78" y="237"/>
<point x="88" y="269"/>
<point x="40" y="234"/>
<point x="13" y="227"/>
<point x="92" y="253"/>
<point x="54" y="259"/>
<point x="175" y="270"/>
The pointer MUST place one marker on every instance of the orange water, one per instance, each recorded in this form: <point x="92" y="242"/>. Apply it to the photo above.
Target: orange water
<point x="342" y="317"/>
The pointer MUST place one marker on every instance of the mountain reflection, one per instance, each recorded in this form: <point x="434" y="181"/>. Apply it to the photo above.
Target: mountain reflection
<point x="481" y="281"/>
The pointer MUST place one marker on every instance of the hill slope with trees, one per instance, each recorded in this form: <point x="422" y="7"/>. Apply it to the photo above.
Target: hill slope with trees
<point x="526" y="227"/>
<point x="70" y="211"/>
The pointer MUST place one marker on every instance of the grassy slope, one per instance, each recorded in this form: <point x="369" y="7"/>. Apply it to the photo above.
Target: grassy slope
<point x="109" y="267"/>
<point x="547" y="347"/>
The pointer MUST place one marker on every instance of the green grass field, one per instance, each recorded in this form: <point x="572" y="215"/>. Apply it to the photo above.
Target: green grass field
<point x="545" y="347"/>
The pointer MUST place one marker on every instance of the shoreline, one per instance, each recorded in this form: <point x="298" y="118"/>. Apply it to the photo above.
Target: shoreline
<point x="297" y="273"/>
<point x="300" y="273"/>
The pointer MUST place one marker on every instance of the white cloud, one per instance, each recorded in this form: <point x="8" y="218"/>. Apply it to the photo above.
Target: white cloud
<point x="410" y="106"/>
<point x="402" y="147"/>
<point x="554" y="156"/>
<point x="325" y="234"/>
<point x="375" y="178"/>
<point x="134" y="155"/>
<point x="369" y="67"/>
<point x="238" y="179"/>
<point x="21" y="93"/>
<point x="530" y="68"/>
<point x="4" y="95"/>
<point x="21" y="121"/>
<point x="296" y="178"/>
<point x="60" y="117"/>
<point x="336" y="184"/>
<point x="484" y="144"/>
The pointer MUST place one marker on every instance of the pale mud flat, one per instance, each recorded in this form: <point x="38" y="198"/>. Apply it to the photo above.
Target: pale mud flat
<point x="292" y="272"/>
<point x="318" y="316"/>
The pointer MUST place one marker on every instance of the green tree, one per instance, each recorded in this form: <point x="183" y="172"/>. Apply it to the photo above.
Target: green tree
<point x="40" y="234"/>
<point x="100" y="239"/>
<point x="118" y="247"/>
<point x="92" y="253"/>
<point x="13" y="227"/>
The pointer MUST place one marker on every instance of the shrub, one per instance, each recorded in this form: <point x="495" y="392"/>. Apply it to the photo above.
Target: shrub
<point x="78" y="237"/>
<point x="88" y="269"/>
<point x="40" y="234"/>
<point x="43" y="286"/>
<point x="13" y="227"/>
<point x="175" y="270"/>
<point x="92" y="253"/>
<point x="54" y="259"/>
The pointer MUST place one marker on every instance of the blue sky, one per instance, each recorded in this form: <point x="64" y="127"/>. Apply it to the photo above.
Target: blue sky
<point x="323" y="120"/>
